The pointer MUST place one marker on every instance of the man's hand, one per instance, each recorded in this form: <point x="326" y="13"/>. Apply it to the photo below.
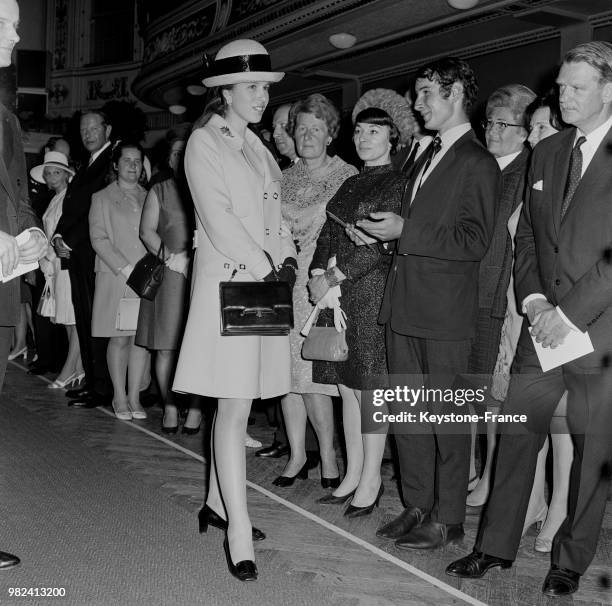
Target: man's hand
<point x="358" y="237"/>
<point x="9" y="253"/>
<point x="318" y="287"/>
<point x="549" y="328"/>
<point x="385" y="227"/>
<point x="34" y="248"/>
<point x="536" y="306"/>
<point x="61" y="250"/>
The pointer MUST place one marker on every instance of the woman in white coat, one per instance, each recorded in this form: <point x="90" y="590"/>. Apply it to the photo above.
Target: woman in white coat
<point x="235" y="184"/>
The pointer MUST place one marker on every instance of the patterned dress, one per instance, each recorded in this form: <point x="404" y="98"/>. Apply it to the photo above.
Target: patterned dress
<point x="305" y="194"/>
<point x="376" y="188"/>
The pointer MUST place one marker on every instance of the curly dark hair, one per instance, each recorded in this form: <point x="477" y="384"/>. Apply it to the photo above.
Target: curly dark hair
<point x="446" y="72"/>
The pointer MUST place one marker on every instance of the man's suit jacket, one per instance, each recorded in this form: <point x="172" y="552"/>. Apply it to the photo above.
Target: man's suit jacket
<point x="16" y="214"/>
<point x="570" y="260"/>
<point x="73" y="225"/>
<point x="432" y="289"/>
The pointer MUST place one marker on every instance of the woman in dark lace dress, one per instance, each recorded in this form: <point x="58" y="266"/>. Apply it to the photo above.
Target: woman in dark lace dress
<point x="360" y="272"/>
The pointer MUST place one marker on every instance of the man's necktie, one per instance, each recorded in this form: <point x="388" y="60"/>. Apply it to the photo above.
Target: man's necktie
<point x="432" y="150"/>
<point x="411" y="157"/>
<point x="574" y="175"/>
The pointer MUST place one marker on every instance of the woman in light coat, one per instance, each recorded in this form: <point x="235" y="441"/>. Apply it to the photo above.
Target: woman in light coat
<point x="235" y="184"/>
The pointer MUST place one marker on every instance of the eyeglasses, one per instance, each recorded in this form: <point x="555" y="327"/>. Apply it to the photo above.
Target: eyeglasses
<point x="489" y="124"/>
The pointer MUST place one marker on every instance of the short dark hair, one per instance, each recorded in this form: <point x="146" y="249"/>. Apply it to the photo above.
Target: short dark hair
<point x="597" y="54"/>
<point x="550" y="100"/>
<point x="126" y="144"/>
<point x="446" y="72"/>
<point x="320" y="106"/>
<point x="375" y="115"/>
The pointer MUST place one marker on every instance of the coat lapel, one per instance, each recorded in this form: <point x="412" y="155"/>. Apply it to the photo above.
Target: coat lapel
<point x="5" y="153"/>
<point x="559" y="176"/>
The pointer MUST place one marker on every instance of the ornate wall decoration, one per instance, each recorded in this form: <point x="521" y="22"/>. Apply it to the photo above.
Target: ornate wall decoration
<point x="188" y="30"/>
<point x="61" y="34"/>
<point x="57" y="93"/>
<point x="247" y="8"/>
<point x="109" y="88"/>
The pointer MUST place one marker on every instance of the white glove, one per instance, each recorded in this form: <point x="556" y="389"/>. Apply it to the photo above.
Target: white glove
<point x="178" y="262"/>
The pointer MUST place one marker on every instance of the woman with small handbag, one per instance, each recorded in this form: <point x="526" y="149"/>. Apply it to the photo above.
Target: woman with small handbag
<point x="55" y="173"/>
<point x="114" y="220"/>
<point x="360" y="272"/>
<point x="235" y="185"/>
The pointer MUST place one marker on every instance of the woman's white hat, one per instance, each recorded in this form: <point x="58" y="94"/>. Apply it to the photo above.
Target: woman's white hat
<point x="52" y="158"/>
<point x="240" y="61"/>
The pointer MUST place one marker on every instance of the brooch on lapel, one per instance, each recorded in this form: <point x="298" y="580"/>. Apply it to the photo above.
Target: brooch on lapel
<point x="227" y="132"/>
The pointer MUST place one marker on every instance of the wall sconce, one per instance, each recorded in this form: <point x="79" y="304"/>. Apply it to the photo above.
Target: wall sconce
<point x="177" y="110"/>
<point x="195" y="90"/>
<point x="342" y="40"/>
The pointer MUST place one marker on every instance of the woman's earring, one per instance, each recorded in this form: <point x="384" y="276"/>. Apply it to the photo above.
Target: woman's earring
<point x="329" y="141"/>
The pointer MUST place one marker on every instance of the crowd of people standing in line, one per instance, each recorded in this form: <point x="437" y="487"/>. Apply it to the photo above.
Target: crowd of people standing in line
<point x="419" y="275"/>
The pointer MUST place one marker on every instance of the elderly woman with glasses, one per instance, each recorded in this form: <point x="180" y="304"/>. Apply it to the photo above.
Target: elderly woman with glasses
<point x="506" y="136"/>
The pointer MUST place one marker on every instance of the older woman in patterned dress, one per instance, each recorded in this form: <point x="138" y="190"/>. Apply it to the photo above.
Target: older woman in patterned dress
<point x="307" y="187"/>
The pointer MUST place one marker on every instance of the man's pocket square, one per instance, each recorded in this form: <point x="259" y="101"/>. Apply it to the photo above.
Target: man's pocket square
<point x="539" y="185"/>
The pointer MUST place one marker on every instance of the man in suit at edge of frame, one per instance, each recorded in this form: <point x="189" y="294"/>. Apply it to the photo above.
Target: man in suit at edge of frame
<point x="431" y="296"/>
<point x="16" y="214"/>
<point x="563" y="277"/>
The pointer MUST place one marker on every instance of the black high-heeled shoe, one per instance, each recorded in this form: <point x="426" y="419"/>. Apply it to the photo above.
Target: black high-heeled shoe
<point x="285" y="481"/>
<point x="169" y="429"/>
<point x="330" y="499"/>
<point x="330" y="482"/>
<point x="207" y="516"/>
<point x="355" y="512"/>
<point x="244" y="570"/>
<point x="190" y="431"/>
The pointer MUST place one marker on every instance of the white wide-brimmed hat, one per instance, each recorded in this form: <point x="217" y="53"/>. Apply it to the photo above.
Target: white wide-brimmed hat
<point x="240" y="61"/>
<point x="52" y="158"/>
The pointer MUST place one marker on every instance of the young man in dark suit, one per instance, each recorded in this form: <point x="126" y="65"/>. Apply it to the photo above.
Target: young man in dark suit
<point x="72" y="244"/>
<point x="564" y="281"/>
<point x="16" y="214"/>
<point x="431" y="297"/>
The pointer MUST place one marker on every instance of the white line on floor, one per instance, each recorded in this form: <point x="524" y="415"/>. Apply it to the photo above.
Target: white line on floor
<point x="303" y="512"/>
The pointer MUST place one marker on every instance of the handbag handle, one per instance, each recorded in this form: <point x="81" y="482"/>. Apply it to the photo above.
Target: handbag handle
<point x="274" y="270"/>
<point x="161" y="253"/>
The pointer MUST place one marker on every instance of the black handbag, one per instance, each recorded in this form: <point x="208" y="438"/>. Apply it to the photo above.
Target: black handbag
<point x="256" y="308"/>
<point x="148" y="274"/>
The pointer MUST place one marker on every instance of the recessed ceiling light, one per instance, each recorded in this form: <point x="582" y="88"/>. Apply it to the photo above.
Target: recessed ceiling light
<point x="462" y="5"/>
<point x="177" y="109"/>
<point x="194" y="89"/>
<point x="342" y="40"/>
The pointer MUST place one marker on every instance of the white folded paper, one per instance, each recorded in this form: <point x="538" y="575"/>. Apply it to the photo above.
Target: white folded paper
<point x="22" y="268"/>
<point x="575" y="345"/>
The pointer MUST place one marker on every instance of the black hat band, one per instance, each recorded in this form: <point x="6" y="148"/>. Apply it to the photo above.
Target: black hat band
<point x="241" y="63"/>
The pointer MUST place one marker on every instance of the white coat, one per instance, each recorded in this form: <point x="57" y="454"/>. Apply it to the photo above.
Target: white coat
<point x="235" y="185"/>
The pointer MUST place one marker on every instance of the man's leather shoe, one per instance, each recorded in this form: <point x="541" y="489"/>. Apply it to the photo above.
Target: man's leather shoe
<point x="411" y="517"/>
<point x="274" y="451"/>
<point x="88" y="402"/>
<point x="81" y="392"/>
<point x="475" y="565"/>
<point x="8" y="560"/>
<point x="560" y="581"/>
<point x="431" y="535"/>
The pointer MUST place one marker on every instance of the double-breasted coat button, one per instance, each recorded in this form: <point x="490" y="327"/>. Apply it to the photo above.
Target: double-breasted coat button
<point x="275" y="196"/>
<point x="226" y="266"/>
<point x="242" y="266"/>
<point x="556" y="249"/>
<point x="267" y="231"/>
<point x="265" y="196"/>
<point x="557" y="281"/>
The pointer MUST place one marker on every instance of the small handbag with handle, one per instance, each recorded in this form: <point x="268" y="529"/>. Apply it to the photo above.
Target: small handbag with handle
<point x="324" y="343"/>
<point x="256" y="308"/>
<point x="127" y="312"/>
<point x="147" y="275"/>
<point x="46" y="305"/>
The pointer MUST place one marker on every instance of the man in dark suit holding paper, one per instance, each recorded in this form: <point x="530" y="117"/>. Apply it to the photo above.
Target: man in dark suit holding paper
<point x="563" y="276"/>
<point x="431" y="297"/>
<point x="16" y="214"/>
